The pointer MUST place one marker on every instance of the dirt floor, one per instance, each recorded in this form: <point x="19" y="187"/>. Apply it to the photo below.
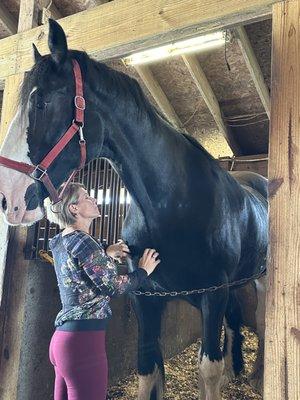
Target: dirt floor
<point x="182" y="373"/>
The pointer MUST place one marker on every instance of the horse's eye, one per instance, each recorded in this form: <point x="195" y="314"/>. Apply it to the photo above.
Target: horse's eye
<point x="40" y="104"/>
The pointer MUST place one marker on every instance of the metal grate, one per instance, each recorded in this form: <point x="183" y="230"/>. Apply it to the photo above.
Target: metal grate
<point x="104" y="184"/>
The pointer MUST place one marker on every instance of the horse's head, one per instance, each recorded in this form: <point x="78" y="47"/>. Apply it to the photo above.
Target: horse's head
<point x="45" y="112"/>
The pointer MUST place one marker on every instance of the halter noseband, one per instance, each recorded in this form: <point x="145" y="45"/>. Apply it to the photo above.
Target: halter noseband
<point x="39" y="172"/>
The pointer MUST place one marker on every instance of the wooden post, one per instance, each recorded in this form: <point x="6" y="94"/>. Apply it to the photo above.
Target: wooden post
<point x="15" y="270"/>
<point x="282" y="347"/>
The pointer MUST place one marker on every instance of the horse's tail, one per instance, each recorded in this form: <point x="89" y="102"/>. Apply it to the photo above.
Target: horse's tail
<point x="233" y="337"/>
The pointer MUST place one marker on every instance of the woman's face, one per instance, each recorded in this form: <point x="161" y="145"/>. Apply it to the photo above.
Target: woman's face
<point x="87" y="206"/>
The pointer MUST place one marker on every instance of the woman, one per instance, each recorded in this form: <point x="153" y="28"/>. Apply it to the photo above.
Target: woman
<point x="87" y="278"/>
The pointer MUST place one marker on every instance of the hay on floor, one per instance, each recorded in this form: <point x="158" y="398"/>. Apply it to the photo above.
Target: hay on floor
<point x="182" y="377"/>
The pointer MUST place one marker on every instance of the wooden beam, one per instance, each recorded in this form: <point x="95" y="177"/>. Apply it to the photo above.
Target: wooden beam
<point x="8" y="20"/>
<point x="116" y="29"/>
<point x="26" y="15"/>
<point x="253" y="67"/>
<point x="158" y="94"/>
<point x="210" y="99"/>
<point x="282" y="338"/>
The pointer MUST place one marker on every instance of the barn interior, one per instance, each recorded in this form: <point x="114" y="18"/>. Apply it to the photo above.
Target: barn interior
<point x="218" y="95"/>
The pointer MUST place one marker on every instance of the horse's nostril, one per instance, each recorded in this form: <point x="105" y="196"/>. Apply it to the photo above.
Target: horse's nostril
<point x="16" y="208"/>
<point x="4" y="204"/>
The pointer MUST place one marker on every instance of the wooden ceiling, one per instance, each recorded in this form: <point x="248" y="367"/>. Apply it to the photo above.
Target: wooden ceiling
<point x="213" y="95"/>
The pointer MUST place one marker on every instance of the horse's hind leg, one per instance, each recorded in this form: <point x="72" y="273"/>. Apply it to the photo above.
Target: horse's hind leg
<point x="150" y="360"/>
<point x="256" y="378"/>
<point x="233" y="356"/>
<point x="211" y="362"/>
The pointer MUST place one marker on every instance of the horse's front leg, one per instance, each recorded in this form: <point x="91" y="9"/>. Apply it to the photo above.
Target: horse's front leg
<point x="150" y="359"/>
<point x="211" y="362"/>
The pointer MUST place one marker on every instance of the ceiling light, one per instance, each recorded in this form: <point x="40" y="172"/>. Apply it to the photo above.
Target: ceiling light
<point x="197" y="44"/>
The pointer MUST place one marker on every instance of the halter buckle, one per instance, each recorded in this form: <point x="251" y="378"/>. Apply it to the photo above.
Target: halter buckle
<point x="38" y="170"/>
<point x="79" y="102"/>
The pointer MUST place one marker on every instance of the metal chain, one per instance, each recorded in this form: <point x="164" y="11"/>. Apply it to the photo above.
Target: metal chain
<point x="203" y="290"/>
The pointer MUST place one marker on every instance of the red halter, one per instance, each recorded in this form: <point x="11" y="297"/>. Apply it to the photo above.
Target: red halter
<point x="39" y="172"/>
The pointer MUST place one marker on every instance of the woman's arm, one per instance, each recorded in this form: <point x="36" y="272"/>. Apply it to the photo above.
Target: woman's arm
<point x="100" y="268"/>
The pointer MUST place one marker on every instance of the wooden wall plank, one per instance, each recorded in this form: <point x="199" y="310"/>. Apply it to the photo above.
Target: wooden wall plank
<point x="118" y="28"/>
<point x="282" y="347"/>
<point x="12" y="315"/>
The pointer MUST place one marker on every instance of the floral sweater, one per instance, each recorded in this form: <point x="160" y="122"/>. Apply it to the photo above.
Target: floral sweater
<point x="87" y="277"/>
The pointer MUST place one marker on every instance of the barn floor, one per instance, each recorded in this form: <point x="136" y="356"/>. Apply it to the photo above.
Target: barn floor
<point x="181" y="377"/>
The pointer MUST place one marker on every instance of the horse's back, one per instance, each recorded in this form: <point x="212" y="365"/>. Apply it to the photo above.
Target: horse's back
<point x="252" y="180"/>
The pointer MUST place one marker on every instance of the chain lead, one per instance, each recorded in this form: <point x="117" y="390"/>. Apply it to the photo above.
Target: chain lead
<point x="202" y="290"/>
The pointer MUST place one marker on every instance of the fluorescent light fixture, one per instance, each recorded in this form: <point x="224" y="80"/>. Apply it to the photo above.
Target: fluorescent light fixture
<point x="197" y="44"/>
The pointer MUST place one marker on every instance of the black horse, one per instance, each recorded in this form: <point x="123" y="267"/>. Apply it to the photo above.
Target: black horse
<point x="209" y="227"/>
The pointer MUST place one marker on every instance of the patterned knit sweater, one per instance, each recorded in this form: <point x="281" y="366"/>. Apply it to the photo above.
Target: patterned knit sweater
<point x="87" y="277"/>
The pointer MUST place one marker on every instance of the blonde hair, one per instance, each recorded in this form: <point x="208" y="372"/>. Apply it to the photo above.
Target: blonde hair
<point x="60" y="213"/>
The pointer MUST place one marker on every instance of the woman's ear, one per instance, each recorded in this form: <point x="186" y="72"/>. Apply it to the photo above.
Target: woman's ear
<point x="73" y="209"/>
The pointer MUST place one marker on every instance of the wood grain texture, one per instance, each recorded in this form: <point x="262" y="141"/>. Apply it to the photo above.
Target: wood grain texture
<point x="12" y="315"/>
<point x="118" y="28"/>
<point x="282" y="355"/>
<point x="14" y="269"/>
<point x="26" y="15"/>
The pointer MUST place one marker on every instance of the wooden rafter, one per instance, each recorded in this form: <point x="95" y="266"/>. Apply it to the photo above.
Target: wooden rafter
<point x="8" y="20"/>
<point x="26" y="15"/>
<point x="254" y="68"/>
<point x="158" y="94"/>
<point x="102" y="33"/>
<point x="209" y="97"/>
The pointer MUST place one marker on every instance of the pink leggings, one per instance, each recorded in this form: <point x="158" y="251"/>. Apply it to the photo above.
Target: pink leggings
<point x="80" y="364"/>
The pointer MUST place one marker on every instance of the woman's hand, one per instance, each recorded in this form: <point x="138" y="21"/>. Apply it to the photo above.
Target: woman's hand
<point x="149" y="260"/>
<point x="118" y="251"/>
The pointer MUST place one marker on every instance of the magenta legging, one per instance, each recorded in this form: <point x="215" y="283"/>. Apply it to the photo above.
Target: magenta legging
<point x="80" y="363"/>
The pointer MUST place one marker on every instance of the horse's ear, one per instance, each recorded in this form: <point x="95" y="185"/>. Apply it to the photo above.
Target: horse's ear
<point x="57" y="42"/>
<point x="36" y="53"/>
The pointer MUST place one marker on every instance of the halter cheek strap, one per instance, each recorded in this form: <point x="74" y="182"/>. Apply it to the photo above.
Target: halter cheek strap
<point x="39" y="172"/>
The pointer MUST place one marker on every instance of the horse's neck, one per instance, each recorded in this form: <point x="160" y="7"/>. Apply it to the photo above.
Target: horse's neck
<point x="151" y="159"/>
